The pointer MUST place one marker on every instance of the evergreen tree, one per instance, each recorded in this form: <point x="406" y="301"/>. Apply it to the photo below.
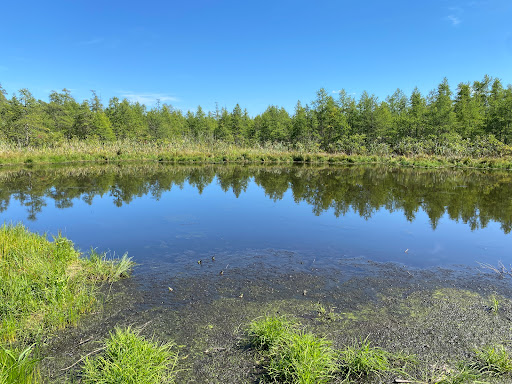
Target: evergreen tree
<point x="469" y="122"/>
<point x="62" y="110"/>
<point x="417" y="115"/>
<point x="223" y="129"/>
<point x="398" y="107"/>
<point x="237" y="125"/>
<point x="442" y="116"/>
<point x="27" y="124"/>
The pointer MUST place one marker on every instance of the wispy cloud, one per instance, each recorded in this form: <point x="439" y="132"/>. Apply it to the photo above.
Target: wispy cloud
<point x="148" y="98"/>
<point x="454" y="20"/>
<point x="98" y="40"/>
<point x="339" y="90"/>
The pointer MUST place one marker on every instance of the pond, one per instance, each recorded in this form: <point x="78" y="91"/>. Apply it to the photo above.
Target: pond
<point x="352" y="251"/>
<point x="165" y="213"/>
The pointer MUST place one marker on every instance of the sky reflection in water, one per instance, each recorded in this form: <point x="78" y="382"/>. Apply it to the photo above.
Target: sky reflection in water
<point x="156" y="213"/>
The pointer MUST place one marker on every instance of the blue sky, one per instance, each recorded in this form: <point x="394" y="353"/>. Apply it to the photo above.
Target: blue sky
<point x="255" y="53"/>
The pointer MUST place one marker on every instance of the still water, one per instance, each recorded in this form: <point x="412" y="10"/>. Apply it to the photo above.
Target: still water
<point x="177" y="215"/>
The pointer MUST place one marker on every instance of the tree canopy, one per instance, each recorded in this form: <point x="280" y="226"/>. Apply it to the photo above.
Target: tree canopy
<point x="471" y="111"/>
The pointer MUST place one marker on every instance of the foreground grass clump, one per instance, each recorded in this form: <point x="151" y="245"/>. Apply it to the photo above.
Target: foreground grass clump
<point x="493" y="361"/>
<point x="302" y="358"/>
<point x="46" y="284"/>
<point x="18" y="366"/>
<point x="269" y="331"/>
<point x="362" y="360"/>
<point x="293" y="356"/>
<point x="128" y="358"/>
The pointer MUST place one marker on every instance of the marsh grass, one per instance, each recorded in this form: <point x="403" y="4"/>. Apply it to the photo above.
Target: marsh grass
<point x="268" y="331"/>
<point x="292" y="355"/>
<point x="46" y="284"/>
<point x="362" y="360"/>
<point x="495" y="304"/>
<point x="129" y="358"/>
<point x="302" y="358"/>
<point x="19" y="366"/>
<point x="101" y="268"/>
<point x="187" y="150"/>
<point x="460" y="375"/>
<point x="492" y="360"/>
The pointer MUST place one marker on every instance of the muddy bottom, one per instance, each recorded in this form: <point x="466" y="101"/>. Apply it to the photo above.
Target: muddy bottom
<point x="439" y="315"/>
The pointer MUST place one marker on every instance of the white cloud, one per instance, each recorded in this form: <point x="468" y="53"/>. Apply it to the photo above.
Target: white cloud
<point x="338" y="91"/>
<point x="148" y="98"/>
<point x="454" y="20"/>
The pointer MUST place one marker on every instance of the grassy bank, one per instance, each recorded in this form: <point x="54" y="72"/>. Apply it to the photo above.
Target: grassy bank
<point x="186" y="151"/>
<point x="44" y="285"/>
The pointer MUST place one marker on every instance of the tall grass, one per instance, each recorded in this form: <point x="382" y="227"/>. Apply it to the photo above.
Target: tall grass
<point x="297" y="357"/>
<point x="100" y="268"/>
<point x="129" y="358"/>
<point x="302" y="358"/>
<point x="493" y="360"/>
<point x="293" y="356"/>
<point x="44" y="285"/>
<point x="362" y="360"/>
<point x="19" y="366"/>
<point x="450" y="151"/>
<point x="47" y="284"/>
<point x="267" y="331"/>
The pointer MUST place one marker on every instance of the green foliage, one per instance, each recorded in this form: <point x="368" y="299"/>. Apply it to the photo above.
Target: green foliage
<point x="476" y="113"/>
<point x="362" y="360"/>
<point x="268" y="331"/>
<point x="129" y="358"/>
<point x="47" y="285"/>
<point x="101" y="268"/>
<point x="301" y="358"/>
<point x="19" y="366"/>
<point x="493" y="360"/>
<point x="293" y="356"/>
<point x="495" y="304"/>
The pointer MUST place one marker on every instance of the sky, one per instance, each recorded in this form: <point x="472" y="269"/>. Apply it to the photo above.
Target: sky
<point x="256" y="53"/>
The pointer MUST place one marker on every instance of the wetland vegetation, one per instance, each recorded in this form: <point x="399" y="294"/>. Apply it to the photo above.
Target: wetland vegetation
<point x="471" y="126"/>
<point x="44" y="286"/>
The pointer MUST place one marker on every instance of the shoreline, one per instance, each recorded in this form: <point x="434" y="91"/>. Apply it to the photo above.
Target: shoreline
<point x="440" y="317"/>
<point x="204" y="154"/>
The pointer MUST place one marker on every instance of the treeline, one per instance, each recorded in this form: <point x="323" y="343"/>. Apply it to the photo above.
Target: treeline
<point x="478" y="112"/>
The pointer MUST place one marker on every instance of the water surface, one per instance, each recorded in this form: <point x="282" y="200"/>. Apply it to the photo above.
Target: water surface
<point x="298" y="217"/>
